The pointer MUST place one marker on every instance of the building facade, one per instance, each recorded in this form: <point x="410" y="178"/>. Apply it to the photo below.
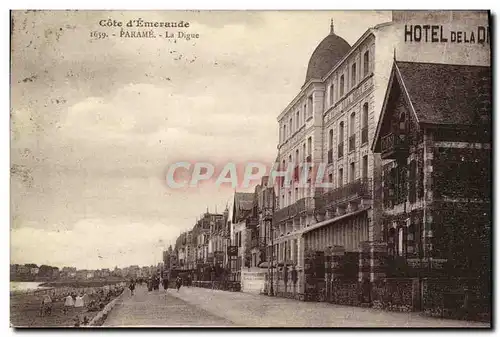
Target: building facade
<point x="326" y="206"/>
<point x="436" y="151"/>
<point x="330" y="232"/>
<point x="242" y="212"/>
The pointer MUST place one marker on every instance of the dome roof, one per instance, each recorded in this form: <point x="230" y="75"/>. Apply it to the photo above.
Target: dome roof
<point x="330" y="51"/>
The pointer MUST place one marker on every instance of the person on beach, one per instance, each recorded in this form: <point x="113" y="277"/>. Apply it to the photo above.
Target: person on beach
<point x="46" y="306"/>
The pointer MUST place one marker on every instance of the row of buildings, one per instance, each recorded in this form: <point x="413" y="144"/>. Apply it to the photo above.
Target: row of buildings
<point x="33" y="272"/>
<point x="400" y="128"/>
<point x="202" y="250"/>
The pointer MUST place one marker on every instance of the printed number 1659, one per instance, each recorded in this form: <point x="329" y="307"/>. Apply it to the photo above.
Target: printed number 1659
<point x="98" y="35"/>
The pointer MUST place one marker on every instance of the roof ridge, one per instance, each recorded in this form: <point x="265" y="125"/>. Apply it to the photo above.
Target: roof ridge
<point x="443" y="64"/>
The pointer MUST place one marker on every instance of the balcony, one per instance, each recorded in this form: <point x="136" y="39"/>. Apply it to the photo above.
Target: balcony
<point x="340" y="150"/>
<point x="352" y="142"/>
<point x="330" y="156"/>
<point x="364" y="135"/>
<point x="361" y="188"/>
<point x="393" y="146"/>
<point x="290" y="211"/>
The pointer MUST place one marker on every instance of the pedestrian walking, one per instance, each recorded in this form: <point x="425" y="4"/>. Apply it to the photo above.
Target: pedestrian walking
<point x="150" y="284"/>
<point x="132" y="287"/>
<point x="165" y="284"/>
<point x="178" y="283"/>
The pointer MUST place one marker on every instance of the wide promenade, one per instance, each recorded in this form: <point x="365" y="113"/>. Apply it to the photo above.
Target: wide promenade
<point x="197" y="307"/>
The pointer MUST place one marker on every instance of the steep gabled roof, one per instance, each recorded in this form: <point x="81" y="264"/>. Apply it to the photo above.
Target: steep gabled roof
<point x="446" y="93"/>
<point x="441" y="94"/>
<point x="243" y="203"/>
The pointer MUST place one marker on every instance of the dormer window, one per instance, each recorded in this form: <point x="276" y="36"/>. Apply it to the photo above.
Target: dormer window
<point x="353" y="75"/>
<point x="366" y="63"/>
<point x="309" y="106"/>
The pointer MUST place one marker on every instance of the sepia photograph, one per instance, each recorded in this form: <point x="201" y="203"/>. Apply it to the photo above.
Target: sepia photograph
<point x="251" y="169"/>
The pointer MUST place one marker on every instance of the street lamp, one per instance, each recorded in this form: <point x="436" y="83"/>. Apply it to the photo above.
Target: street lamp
<point x="268" y="216"/>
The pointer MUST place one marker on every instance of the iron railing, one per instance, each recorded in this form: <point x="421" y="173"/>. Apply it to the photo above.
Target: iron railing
<point x="290" y="211"/>
<point x="356" y="189"/>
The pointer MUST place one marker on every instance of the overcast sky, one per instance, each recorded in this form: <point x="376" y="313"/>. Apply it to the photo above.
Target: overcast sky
<point x="95" y="123"/>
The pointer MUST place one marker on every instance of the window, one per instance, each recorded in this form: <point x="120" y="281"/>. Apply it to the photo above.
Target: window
<point x="352" y="124"/>
<point x="330" y="178"/>
<point x="365" y="115"/>
<point x="297" y="119"/>
<point x="401" y="241"/>
<point x="366" y="63"/>
<point x="352" y="174"/>
<point x="413" y="182"/>
<point x="330" y="139"/>
<point x="364" y="123"/>
<point x="305" y="112"/>
<point x="309" y="146"/>
<point x="402" y="123"/>
<point x="283" y="168"/>
<point x="291" y="126"/>
<point x="365" y="166"/>
<point x="309" y="106"/>
<point x="340" y="145"/>
<point x="401" y="184"/>
<point x="341" y="132"/>
<point x="304" y="152"/>
<point x="352" y="132"/>
<point x="341" y="177"/>
<point x="284" y="133"/>
<point x="297" y="156"/>
<point x="331" y="94"/>
<point x="353" y="75"/>
<point x="342" y="85"/>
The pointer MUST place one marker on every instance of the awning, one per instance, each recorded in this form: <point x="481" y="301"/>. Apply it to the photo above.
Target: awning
<point x="330" y="221"/>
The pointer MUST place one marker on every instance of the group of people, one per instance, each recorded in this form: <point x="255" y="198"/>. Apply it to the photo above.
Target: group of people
<point x="154" y="282"/>
<point x="91" y="299"/>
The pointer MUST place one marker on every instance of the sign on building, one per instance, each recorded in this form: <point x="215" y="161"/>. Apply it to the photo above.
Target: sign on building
<point x="232" y="251"/>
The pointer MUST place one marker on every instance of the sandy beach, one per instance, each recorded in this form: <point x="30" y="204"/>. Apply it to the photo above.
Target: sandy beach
<point x="25" y="307"/>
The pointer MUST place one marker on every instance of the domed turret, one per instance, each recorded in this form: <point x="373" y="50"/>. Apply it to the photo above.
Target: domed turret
<point x="330" y="51"/>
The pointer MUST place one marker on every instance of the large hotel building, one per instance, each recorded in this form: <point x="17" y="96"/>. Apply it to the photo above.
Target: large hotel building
<point x="397" y="127"/>
<point x="331" y="124"/>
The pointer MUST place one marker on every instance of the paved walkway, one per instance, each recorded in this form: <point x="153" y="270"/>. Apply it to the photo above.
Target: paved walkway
<point x="159" y="309"/>
<point x="263" y="311"/>
<point x="192" y="307"/>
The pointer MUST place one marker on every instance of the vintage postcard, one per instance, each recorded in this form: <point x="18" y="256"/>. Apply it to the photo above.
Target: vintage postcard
<point x="250" y="169"/>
